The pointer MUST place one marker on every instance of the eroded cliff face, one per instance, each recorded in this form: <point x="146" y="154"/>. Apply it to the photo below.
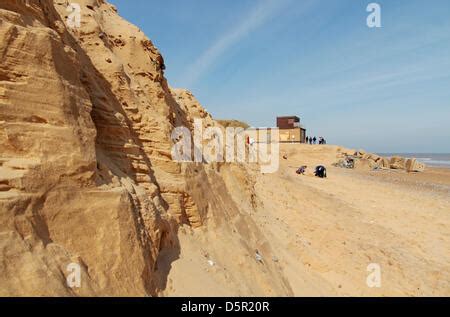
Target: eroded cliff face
<point x="86" y="174"/>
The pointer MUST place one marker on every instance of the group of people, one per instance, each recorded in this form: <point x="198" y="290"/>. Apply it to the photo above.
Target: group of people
<point x="313" y="140"/>
<point x="320" y="171"/>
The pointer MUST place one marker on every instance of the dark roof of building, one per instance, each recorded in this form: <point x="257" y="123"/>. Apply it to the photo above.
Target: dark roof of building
<point x="288" y="117"/>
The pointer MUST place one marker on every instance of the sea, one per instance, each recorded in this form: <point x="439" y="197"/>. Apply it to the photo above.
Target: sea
<point x="430" y="159"/>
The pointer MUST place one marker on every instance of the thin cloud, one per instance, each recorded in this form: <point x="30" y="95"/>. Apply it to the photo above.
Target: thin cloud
<point x="264" y="11"/>
<point x="426" y="69"/>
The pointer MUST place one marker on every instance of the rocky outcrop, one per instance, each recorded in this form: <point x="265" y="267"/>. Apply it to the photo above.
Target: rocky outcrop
<point x="79" y="156"/>
<point x="86" y="174"/>
<point x="233" y="124"/>
<point x="192" y="107"/>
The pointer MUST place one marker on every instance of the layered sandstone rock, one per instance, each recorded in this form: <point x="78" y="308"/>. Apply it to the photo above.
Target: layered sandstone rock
<point x="233" y="124"/>
<point x="86" y="174"/>
<point x="79" y="184"/>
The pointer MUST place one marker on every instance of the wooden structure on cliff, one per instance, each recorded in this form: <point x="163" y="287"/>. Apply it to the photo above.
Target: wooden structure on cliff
<point x="290" y="130"/>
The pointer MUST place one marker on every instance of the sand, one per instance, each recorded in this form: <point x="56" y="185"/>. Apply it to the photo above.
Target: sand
<point x="327" y="231"/>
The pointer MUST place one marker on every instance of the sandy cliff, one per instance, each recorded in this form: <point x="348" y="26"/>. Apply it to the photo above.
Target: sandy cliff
<point x="85" y="166"/>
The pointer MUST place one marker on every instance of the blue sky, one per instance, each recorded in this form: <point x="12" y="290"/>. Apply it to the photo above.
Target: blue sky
<point x="382" y="89"/>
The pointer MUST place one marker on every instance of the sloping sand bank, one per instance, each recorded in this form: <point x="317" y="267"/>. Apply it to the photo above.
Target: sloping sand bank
<point x="325" y="232"/>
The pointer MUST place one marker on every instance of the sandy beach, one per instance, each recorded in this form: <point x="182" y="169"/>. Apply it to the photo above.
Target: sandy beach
<point x="325" y="232"/>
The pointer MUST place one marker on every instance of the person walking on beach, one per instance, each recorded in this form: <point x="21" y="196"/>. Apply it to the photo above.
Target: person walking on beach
<point x="314" y="140"/>
<point x="307" y="140"/>
<point x="310" y="140"/>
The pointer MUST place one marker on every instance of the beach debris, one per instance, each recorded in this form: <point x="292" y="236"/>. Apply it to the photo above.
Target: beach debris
<point x="412" y="165"/>
<point x="275" y="259"/>
<point x="207" y="257"/>
<point x="366" y="164"/>
<point x="397" y="163"/>
<point x="384" y="163"/>
<point x="368" y="161"/>
<point x="258" y="256"/>
<point x="347" y="162"/>
<point x="285" y="157"/>
<point x="204" y="253"/>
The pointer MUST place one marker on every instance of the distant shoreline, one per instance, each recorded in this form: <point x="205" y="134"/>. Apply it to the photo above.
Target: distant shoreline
<point x="433" y="165"/>
<point x="440" y="160"/>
